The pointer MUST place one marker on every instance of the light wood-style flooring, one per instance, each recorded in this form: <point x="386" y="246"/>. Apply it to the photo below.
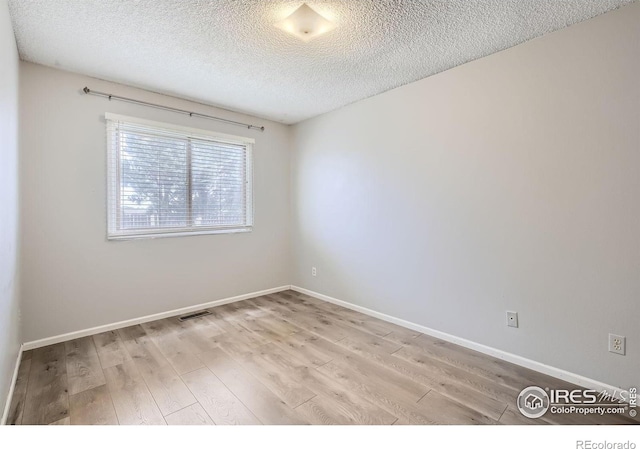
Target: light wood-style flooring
<point x="284" y="358"/>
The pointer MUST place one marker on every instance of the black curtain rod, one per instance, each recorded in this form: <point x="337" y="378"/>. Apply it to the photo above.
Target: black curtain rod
<point x="88" y="91"/>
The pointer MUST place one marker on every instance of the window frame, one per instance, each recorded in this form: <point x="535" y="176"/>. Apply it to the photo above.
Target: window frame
<point x="113" y="181"/>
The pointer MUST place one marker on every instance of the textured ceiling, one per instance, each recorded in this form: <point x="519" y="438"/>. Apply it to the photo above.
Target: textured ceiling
<point x="228" y="53"/>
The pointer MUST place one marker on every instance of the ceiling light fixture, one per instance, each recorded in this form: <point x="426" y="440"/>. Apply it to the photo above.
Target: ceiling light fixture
<point x="305" y="23"/>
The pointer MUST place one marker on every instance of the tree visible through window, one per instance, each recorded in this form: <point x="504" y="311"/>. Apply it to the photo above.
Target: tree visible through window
<point x="164" y="181"/>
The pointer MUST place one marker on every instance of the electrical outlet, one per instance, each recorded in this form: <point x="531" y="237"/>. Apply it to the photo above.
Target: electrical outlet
<point x="512" y="319"/>
<point x="617" y="344"/>
<point x="313" y="271"/>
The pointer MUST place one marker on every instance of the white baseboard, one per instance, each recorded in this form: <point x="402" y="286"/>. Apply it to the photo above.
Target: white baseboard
<point x="14" y="379"/>
<point x="157" y="316"/>
<point x="558" y="373"/>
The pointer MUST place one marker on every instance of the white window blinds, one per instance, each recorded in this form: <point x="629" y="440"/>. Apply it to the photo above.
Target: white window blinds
<point x="170" y="180"/>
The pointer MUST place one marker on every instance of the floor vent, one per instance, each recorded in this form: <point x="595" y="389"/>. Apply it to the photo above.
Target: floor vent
<point x="194" y="315"/>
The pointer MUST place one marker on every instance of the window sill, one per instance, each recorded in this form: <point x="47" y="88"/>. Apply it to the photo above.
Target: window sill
<point x="177" y="233"/>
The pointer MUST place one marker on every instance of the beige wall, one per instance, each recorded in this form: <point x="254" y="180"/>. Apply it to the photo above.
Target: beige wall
<point x="73" y="277"/>
<point x="509" y="183"/>
<point x="9" y="302"/>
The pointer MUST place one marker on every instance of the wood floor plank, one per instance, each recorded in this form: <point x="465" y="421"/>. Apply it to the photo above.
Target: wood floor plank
<point x="140" y="346"/>
<point x="242" y="309"/>
<point x="355" y="320"/>
<point x="513" y="416"/>
<point x="382" y="397"/>
<point x="401" y="386"/>
<point x="269" y="328"/>
<point x="226" y="318"/>
<point x="179" y="352"/>
<point x="271" y="376"/>
<point x="299" y="346"/>
<point x="402" y="337"/>
<point x="61" y="422"/>
<point x="194" y="415"/>
<point x="307" y="305"/>
<point x="217" y="319"/>
<point x="279" y="325"/>
<point x="197" y="332"/>
<point x="437" y="368"/>
<point x="219" y="402"/>
<point x="165" y="385"/>
<point x="358" y="320"/>
<point x="303" y="319"/>
<point x="348" y="327"/>
<point x="257" y="328"/>
<point x="286" y="304"/>
<point x="314" y="345"/>
<point x="110" y="349"/>
<point x="402" y="422"/>
<point x="84" y="370"/>
<point x="323" y="411"/>
<point x="201" y="326"/>
<point x="277" y="306"/>
<point x="446" y="411"/>
<point x="372" y="342"/>
<point x="491" y="368"/>
<point x="132" y="400"/>
<point x="47" y="399"/>
<point x="19" y="394"/>
<point x="92" y="407"/>
<point x="344" y="316"/>
<point x="267" y="304"/>
<point x="263" y="403"/>
<point x="239" y="341"/>
<point x="444" y="385"/>
<point x="263" y="303"/>
<point x="342" y="406"/>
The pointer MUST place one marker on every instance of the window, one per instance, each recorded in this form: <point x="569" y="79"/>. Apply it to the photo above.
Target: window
<point x="168" y="180"/>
